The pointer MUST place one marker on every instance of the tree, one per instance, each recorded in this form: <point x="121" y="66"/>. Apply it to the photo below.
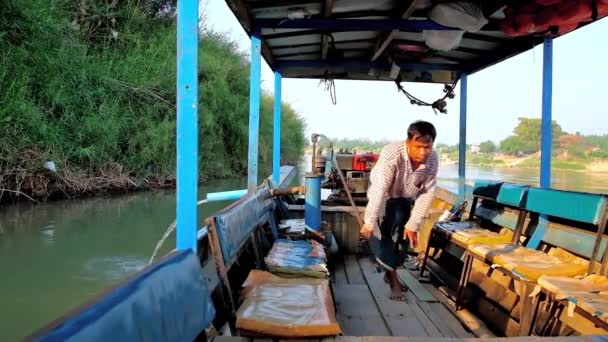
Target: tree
<point x="568" y="140"/>
<point x="487" y="147"/>
<point x="528" y="135"/>
<point x="511" y="145"/>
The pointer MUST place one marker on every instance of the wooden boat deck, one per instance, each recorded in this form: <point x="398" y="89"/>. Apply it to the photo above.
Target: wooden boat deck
<point x="365" y="309"/>
<point x="366" y="313"/>
<point x="418" y="339"/>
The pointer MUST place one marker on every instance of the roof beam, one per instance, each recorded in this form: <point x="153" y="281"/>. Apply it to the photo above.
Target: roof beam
<point x="293" y="54"/>
<point x="347" y="25"/>
<point x="364" y="64"/>
<point x="290" y="34"/>
<point x="328" y="7"/>
<point x="383" y="43"/>
<point x="293" y="46"/>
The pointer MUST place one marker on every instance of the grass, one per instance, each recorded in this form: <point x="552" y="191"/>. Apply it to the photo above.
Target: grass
<point x="90" y="84"/>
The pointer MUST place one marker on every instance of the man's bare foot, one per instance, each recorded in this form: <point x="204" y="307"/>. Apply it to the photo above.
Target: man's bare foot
<point x="404" y="288"/>
<point x="397" y="294"/>
<point x="396" y="286"/>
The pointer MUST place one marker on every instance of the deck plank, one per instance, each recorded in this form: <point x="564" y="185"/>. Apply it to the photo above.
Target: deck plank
<point x="449" y="325"/>
<point x="474" y="324"/>
<point x="421" y="293"/>
<point x="431" y="326"/>
<point x="358" y="314"/>
<point x="340" y="273"/>
<point x="400" y="318"/>
<point x="353" y="271"/>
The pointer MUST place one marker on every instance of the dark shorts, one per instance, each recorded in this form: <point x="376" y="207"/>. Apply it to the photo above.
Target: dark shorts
<point x="397" y="213"/>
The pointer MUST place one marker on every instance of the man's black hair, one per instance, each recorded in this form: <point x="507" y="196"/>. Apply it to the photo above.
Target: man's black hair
<point x="422" y="130"/>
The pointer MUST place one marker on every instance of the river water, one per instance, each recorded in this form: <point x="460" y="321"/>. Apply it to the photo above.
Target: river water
<point x="55" y="256"/>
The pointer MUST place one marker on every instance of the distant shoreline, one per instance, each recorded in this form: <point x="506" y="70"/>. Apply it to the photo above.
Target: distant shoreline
<point x="599" y="166"/>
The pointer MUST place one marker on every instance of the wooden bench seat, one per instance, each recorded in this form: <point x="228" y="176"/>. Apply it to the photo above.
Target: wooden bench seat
<point x="561" y="255"/>
<point x="496" y="197"/>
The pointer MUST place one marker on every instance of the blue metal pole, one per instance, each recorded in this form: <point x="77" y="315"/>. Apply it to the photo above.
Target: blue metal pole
<point x="276" y="145"/>
<point x="462" y="146"/>
<point x="312" y="204"/>
<point x="546" y="134"/>
<point x="254" y="112"/>
<point x="546" y="129"/>
<point x="187" y="123"/>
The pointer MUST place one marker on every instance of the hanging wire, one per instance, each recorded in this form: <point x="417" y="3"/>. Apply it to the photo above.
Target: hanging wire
<point x="328" y="78"/>
<point x="439" y="105"/>
<point x="330" y="86"/>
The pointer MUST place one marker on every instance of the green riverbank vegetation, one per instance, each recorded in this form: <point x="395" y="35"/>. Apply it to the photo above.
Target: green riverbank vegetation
<point x="571" y="151"/>
<point x="91" y="86"/>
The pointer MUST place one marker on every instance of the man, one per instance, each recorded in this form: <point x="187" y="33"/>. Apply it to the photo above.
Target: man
<point x="405" y="171"/>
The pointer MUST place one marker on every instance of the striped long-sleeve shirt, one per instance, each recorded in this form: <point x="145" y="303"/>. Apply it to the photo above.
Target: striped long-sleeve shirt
<point x="393" y="177"/>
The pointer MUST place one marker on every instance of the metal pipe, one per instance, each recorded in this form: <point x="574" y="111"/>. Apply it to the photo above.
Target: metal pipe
<point x="462" y="143"/>
<point x="187" y="124"/>
<point x="312" y="205"/>
<point x="254" y="112"/>
<point x="314" y="139"/>
<point x="226" y="195"/>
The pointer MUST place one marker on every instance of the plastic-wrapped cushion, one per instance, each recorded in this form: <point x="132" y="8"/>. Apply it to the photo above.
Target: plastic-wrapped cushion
<point x="529" y="263"/>
<point x="465" y="15"/>
<point x="563" y="287"/>
<point x="297" y="258"/>
<point x="594" y="303"/>
<point x="481" y="235"/>
<point x="234" y="226"/>
<point x="442" y="40"/>
<point x="286" y="307"/>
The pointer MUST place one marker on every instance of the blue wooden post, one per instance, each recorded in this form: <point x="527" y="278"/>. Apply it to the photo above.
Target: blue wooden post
<point x="254" y="112"/>
<point x="546" y="129"/>
<point x="546" y="137"/>
<point x="276" y="145"/>
<point x="462" y="145"/>
<point x="187" y="123"/>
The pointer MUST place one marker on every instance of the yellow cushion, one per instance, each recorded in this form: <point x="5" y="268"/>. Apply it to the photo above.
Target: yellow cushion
<point x="480" y="235"/>
<point x="594" y="303"/>
<point x="563" y="287"/>
<point x="529" y="263"/>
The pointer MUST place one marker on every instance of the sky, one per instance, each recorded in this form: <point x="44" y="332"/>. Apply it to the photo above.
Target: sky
<point x="497" y="96"/>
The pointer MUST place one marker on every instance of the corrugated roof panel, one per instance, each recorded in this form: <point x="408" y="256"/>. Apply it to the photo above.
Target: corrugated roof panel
<point x="306" y="44"/>
<point x="283" y="11"/>
<point x="308" y="39"/>
<point x="343" y="6"/>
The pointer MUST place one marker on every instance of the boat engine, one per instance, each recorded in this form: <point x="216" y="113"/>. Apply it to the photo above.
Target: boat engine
<point x="356" y="169"/>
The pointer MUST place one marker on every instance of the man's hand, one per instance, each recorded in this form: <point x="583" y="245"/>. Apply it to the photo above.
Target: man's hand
<point x="412" y="236"/>
<point x="365" y="232"/>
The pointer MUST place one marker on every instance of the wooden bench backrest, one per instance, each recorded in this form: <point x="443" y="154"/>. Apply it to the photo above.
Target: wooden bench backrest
<point x="583" y="221"/>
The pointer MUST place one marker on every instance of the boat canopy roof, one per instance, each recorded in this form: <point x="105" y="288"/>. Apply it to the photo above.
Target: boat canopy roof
<point x="366" y="40"/>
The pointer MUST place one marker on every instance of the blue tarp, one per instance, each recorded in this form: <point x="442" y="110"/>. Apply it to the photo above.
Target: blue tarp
<point x="168" y="301"/>
<point x="235" y="225"/>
